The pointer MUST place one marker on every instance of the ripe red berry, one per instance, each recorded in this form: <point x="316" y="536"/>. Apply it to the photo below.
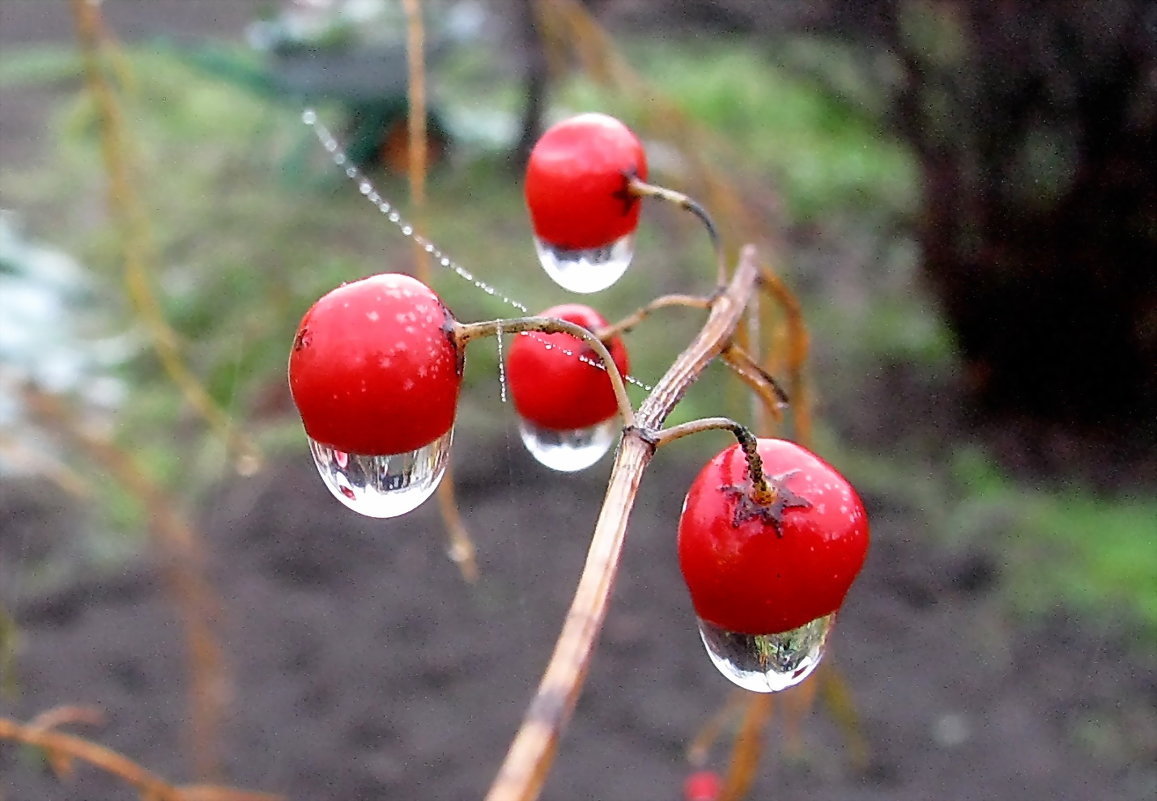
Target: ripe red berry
<point x="576" y="182"/>
<point x="375" y="367"/>
<point x="702" y="785"/>
<point x="554" y="389"/>
<point x="765" y="569"/>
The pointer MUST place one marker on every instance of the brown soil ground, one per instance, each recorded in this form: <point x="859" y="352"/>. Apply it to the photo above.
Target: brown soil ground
<point x="363" y="667"/>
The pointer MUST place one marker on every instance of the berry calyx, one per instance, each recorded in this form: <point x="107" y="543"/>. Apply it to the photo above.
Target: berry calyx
<point x="577" y="182"/>
<point x="552" y="387"/>
<point x="375" y="366"/>
<point x="766" y="568"/>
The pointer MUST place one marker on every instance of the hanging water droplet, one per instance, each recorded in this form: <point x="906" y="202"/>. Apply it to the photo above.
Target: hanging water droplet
<point x="568" y="451"/>
<point x="767" y="663"/>
<point x="383" y="486"/>
<point x="586" y="271"/>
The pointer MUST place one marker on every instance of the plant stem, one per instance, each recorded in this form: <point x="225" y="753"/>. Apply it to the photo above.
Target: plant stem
<point x="761" y="492"/>
<point x="687" y="203"/>
<point x="130" y="218"/>
<point x="532" y="752"/>
<point x="549" y="325"/>
<point x="663" y="302"/>
<point x="744" y="365"/>
<point x="60" y="749"/>
<point x="417" y="154"/>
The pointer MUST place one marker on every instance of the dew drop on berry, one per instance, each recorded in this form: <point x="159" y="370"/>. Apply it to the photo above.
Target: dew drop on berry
<point x="568" y="451"/>
<point x="383" y="485"/>
<point x="589" y="270"/>
<point x="767" y="663"/>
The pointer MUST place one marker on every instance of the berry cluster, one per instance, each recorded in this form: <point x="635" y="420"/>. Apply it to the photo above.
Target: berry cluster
<point x="770" y="538"/>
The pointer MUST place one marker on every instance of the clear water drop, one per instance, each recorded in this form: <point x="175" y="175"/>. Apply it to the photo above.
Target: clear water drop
<point x="767" y="663"/>
<point x="568" y="451"/>
<point x="586" y="271"/>
<point x="383" y="485"/>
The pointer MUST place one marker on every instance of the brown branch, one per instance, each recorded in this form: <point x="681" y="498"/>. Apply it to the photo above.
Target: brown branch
<point x="797" y="346"/>
<point x="515" y="325"/>
<point x="759" y="380"/>
<point x="135" y="239"/>
<point x="61" y="749"/>
<point x="748" y="748"/>
<point x="181" y="549"/>
<point x="417" y="154"/>
<point x="460" y="545"/>
<point x="703" y="741"/>
<point x="532" y="752"/>
<point x="663" y="302"/>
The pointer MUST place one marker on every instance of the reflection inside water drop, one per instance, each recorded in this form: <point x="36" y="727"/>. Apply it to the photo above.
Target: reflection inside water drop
<point x="586" y="271"/>
<point x="383" y="486"/>
<point x="767" y="663"/>
<point x="568" y="451"/>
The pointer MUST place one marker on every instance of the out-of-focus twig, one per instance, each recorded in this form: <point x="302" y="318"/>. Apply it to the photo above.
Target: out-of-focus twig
<point x="794" y="353"/>
<point x="461" y="545"/>
<point x="181" y="550"/>
<point x="748" y="747"/>
<point x="62" y="750"/>
<point x="418" y="156"/>
<point x="532" y="752"/>
<point x="135" y="236"/>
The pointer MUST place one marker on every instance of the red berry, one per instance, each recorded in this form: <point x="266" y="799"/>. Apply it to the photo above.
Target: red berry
<point x="702" y="785"/>
<point x="558" y="391"/>
<point x="765" y="569"/>
<point x="576" y="182"/>
<point x="375" y="368"/>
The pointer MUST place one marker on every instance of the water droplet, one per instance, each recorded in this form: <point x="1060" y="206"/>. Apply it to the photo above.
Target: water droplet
<point x="569" y="451"/>
<point x="387" y="485"/>
<point x="767" y="663"/>
<point x="586" y="271"/>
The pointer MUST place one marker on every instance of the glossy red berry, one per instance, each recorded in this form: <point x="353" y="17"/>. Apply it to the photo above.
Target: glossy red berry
<point x="552" y="387"/>
<point x="765" y="569"/>
<point x="576" y="182"/>
<point x="375" y="367"/>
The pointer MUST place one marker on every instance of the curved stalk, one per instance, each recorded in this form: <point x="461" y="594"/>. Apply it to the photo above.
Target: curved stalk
<point x="549" y="325"/>
<point x="761" y="492"/>
<point x="531" y="754"/>
<point x="768" y="390"/>
<point x="61" y="749"/>
<point x="663" y="302"/>
<point x="640" y="188"/>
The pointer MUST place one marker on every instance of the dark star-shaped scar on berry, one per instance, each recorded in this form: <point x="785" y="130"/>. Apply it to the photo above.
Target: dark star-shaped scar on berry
<point x="302" y="339"/>
<point x="746" y="507"/>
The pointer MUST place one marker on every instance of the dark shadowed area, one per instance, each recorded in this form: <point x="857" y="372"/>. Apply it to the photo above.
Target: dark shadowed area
<point x="364" y="668"/>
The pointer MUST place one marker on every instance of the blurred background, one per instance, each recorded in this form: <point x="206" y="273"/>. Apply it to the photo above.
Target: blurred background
<point x="963" y="195"/>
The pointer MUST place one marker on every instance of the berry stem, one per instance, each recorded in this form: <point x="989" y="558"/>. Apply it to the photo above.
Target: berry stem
<point x="549" y="325"/>
<point x="774" y="398"/>
<point x="532" y="752"/>
<point x="761" y="492"/>
<point x="663" y="302"/>
<point x="640" y="188"/>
